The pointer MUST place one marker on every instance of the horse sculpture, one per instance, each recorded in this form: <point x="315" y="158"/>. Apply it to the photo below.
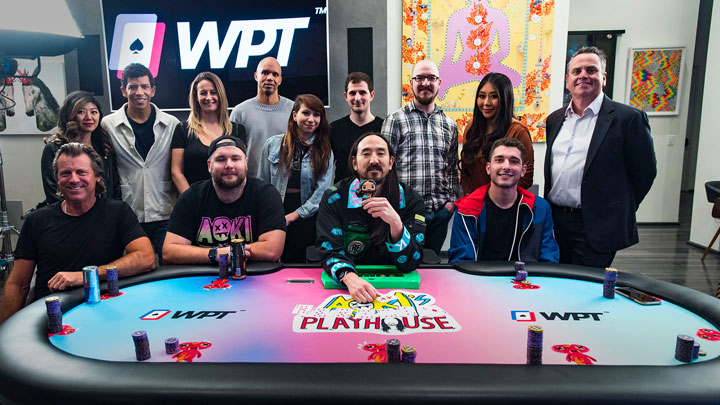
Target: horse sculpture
<point x="40" y="102"/>
<point x="7" y="102"/>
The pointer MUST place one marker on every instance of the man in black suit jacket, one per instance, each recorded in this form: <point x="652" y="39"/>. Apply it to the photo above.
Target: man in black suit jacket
<point x="599" y="165"/>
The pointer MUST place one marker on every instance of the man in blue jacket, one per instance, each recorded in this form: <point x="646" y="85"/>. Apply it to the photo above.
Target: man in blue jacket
<point x="501" y="221"/>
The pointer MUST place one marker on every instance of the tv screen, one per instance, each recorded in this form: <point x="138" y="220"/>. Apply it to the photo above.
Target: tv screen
<point x="177" y="40"/>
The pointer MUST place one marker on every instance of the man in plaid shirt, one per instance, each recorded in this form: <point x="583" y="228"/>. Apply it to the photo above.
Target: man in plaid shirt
<point x="425" y="141"/>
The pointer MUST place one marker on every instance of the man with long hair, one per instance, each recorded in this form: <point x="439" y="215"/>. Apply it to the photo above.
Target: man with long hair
<point x="385" y="228"/>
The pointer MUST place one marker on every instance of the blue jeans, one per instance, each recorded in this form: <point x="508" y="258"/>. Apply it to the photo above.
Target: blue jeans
<point x="156" y="232"/>
<point x="436" y="225"/>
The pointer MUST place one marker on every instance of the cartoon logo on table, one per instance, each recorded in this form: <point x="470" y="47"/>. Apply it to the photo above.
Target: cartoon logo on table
<point x="66" y="330"/>
<point x="709" y="334"/>
<point x="189" y="350"/>
<point x="378" y="353"/>
<point x="395" y="313"/>
<point x="219" y="284"/>
<point x="524" y="285"/>
<point x="575" y="353"/>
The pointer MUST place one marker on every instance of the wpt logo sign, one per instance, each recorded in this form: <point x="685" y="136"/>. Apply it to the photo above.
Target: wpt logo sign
<point x="155" y="314"/>
<point x="523" y="316"/>
<point x="219" y="53"/>
<point x="138" y="38"/>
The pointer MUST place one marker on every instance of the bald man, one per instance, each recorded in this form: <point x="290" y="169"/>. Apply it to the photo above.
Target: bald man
<point x="264" y="115"/>
<point x="425" y="141"/>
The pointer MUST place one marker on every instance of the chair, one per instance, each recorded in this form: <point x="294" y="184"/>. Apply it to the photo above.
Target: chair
<point x="712" y="189"/>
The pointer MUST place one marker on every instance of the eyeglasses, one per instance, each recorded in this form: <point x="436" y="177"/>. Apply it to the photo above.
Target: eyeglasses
<point x="421" y="79"/>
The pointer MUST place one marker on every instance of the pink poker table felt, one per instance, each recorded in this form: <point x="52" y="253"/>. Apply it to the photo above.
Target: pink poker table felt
<point x="280" y="328"/>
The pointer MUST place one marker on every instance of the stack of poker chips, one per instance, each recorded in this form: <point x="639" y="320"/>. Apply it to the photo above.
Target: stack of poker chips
<point x="392" y="346"/>
<point x="112" y="281"/>
<point x="408" y="354"/>
<point x="696" y="350"/>
<point x="534" y="344"/>
<point x="142" y="345"/>
<point x="223" y="266"/>
<point x="54" y="314"/>
<point x="171" y="345"/>
<point x="609" y="282"/>
<point x="520" y="273"/>
<point x="684" y="347"/>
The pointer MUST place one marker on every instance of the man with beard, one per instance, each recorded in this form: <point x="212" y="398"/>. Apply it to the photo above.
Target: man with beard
<point x="385" y="228"/>
<point x="502" y="221"/>
<point x="228" y="206"/>
<point x="426" y="143"/>
<point x="264" y="115"/>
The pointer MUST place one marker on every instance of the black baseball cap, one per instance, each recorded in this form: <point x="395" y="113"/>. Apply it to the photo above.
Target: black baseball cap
<point x="226" y="140"/>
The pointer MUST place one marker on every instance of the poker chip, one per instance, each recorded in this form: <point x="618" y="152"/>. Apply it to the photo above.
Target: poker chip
<point x="609" y="282"/>
<point x="702" y="352"/>
<point x="684" y="348"/>
<point x="171" y="345"/>
<point x="521" y="275"/>
<point x="54" y="314"/>
<point x="696" y="350"/>
<point x="519" y="266"/>
<point x="223" y="272"/>
<point x="534" y="344"/>
<point x="408" y="354"/>
<point x="142" y="345"/>
<point x="111" y="276"/>
<point x="394" y="355"/>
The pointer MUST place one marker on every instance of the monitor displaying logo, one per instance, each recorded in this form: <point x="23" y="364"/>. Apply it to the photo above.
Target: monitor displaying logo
<point x="523" y="316"/>
<point x="138" y="38"/>
<point x="155" y="314"/>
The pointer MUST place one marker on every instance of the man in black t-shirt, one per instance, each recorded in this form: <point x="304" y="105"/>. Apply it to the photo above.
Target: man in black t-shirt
<point x="358" y="94"/>
<point x="229" y="205"/>
<point x="502" y="221"/>
<point x="82" y="230"/>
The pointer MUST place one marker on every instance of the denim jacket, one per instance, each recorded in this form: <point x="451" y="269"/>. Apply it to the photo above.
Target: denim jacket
<point x="311" y="189"/>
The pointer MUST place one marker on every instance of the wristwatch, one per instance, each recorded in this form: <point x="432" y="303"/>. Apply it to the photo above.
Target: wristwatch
<point x="212" y="254"/>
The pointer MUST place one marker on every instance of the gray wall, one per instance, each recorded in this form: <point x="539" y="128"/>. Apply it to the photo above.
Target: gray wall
<point x="344" y="14"/>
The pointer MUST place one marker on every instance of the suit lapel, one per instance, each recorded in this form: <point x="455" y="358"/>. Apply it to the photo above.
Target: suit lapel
<point x="550" y="139"/>
<point x="607" y="113"/>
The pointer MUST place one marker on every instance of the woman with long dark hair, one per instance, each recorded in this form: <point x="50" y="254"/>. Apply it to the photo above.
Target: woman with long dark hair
<point x="207" y="121"/>
<point x="492" y="120"/>
<point x="299" y="163"/>
<point x="79" y="120"/>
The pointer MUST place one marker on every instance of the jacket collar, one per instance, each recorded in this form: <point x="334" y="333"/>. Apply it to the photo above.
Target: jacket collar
<point x="119" y="117"/>
<point x="473" y="203"/>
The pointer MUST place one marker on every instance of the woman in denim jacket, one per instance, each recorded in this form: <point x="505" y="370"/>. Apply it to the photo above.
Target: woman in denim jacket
<point x="300" y="164"/>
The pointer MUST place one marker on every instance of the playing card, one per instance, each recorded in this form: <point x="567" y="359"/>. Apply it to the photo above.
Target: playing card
<point x="302" y="309"/>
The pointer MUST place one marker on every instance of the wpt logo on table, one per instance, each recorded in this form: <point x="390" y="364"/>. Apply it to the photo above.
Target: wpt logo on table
<point x="137" y="38"/>
<point x="523" y="316"/>
<point x="155" y="314"/>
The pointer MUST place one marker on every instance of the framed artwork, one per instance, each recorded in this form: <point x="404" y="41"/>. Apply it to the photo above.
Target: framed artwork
<point x="655" y="76"/>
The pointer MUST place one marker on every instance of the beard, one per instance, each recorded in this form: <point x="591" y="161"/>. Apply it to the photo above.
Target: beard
<point x="425" y="100"/>
<point x="223" y="184"/>
<point x="378" y="178"/>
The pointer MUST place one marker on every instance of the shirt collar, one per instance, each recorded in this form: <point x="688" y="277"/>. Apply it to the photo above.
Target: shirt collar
<point x="594" y="106"/>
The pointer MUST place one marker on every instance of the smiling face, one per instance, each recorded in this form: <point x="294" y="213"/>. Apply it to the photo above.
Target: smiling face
<point x="505" y="167"/>
<point x="359" y="96"/>
<point x="426" y="82"/>
<point x="88" y="117"/>
<point x="307" y="120"/>
<point x="76" y="178"/>
<point x="373" y="160"/>
<point x="488" y="101"/>
<point x="207" y="97"/>
<point x="138" y="92"/>
<point x="586" y="77"/>
<point x="227" y="167"/>
<point x="268" y="76"/>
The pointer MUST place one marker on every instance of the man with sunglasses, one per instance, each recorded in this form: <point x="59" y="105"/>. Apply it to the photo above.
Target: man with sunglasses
<point x="425" y="141"/>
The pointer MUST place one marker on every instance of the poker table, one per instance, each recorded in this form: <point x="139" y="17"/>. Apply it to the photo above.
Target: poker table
<point x="280" y="336"/>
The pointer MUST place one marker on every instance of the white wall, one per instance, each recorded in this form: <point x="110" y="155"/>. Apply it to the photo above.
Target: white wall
<point x="702" y="226"/>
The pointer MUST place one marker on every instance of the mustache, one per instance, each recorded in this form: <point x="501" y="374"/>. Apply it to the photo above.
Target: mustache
<point x="374" y="167"/>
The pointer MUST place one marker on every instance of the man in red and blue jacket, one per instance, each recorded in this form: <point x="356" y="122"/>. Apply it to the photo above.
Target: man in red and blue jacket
<point x="501" y="221"/>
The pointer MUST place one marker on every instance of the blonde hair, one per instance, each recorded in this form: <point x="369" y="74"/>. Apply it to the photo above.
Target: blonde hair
<point x="193" y="121"/>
